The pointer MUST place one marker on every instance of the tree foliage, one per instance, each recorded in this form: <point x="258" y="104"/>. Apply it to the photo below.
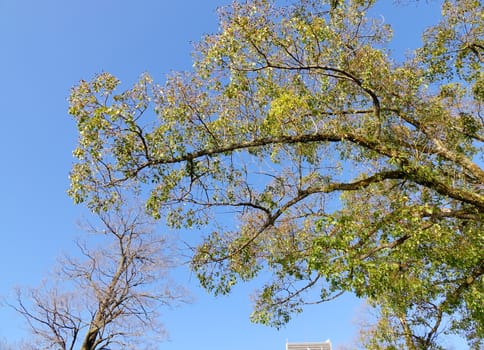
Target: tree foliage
<point x="110" y="298"/>
<point x="347" y="171"/>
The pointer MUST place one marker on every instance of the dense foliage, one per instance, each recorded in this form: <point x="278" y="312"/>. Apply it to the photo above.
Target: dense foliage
<point x="346" y="170"/>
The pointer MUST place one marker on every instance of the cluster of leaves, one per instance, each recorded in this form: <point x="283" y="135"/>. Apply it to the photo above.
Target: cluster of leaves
<point x="347" y="171"/>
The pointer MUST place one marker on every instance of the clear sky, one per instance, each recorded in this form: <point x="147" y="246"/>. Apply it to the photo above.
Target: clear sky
<point x="45" y="48"/>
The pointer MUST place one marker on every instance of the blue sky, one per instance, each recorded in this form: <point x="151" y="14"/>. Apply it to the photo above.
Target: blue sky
<point x="46" y="47"/>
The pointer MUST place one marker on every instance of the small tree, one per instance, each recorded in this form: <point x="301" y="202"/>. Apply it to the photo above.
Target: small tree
<point x="111" y="297"/>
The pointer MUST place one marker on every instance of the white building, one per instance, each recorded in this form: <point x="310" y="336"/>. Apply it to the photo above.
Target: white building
<point x="309" y="346"/>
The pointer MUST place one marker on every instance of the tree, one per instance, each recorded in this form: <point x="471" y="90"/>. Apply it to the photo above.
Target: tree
<point x="347" y="170"/>
<point x="109" y="299"/>
<point x="393" y="329"/>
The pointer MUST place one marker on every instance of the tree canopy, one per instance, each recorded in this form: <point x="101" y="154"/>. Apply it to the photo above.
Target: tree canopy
<point x="345" y="169"/>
